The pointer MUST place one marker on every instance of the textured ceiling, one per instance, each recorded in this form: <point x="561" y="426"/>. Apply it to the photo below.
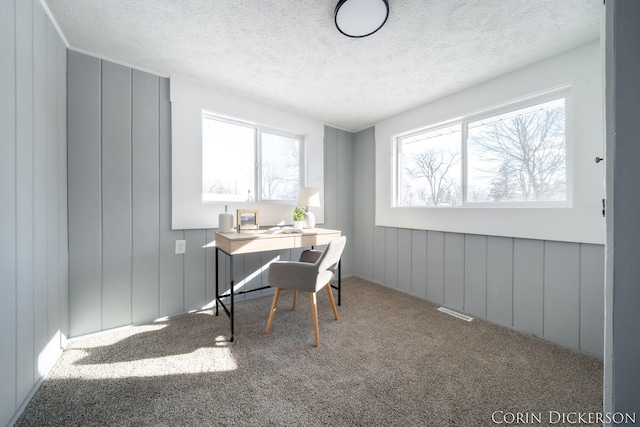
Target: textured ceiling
<point x="288" y="53"/>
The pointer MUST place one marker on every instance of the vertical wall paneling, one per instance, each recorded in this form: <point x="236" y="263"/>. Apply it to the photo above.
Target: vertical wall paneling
<point x="404" y="259"/>
<point x="500" y="280"/>
<point x="562" y="293"/>
<point x="24" y="197"/>
<point x="238" y="276"/>
<point x="171" y="265"/>
<point x="8" y="172"/>
<point x="379" y="250"/>
<point x="591" y="293"/>
<point x="85" y="219"/>
<point x="116" y="194"/>
<point x="330" y="176"/>
<point x="454" y="270"/>
<point x="223" y="272"/>
<point x="253" y="271"/>
<point x="341" y="171"/>
<point x="265" y="259"/>
<point x="360" y="214"/>
<point x="146" y="203"/>
<point x="63" y="244"/>
<point x="139" y="275"/>
<point x="338" y="202"/>
<point x="435" y="266"/>
<point x="418" y="256"/>
<point x="194" y="269"/>
<point x="528" y="282"/>
<point x="347" y="198"/>
<point x="366" y="211"/>
<point x="391" y="257"/>
<point x="210" y="266"/>
<point x="475" y="275"/>
<point x="52" y="195"/>
<point x="40" y="302"/>
<point x="33" y="215"/>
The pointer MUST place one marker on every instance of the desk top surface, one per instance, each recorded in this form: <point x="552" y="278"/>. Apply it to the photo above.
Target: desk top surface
<point x="249" y="241"/>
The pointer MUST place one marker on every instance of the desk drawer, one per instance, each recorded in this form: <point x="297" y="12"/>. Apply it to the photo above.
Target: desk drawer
<point x="317" y="239"/>
<point x="263" y="245"/>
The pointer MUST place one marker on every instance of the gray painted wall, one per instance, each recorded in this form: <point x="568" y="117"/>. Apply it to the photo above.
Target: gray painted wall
<point x="553" y="290"/>
<point x="33" y="212"/>
<point x="622" y="376"/>
<point x="513" y="282"/>
<point x="123" y="268"/>
<point x="338" y="197"/>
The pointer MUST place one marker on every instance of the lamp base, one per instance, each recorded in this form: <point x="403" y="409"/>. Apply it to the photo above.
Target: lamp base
<point x="310" y="220"/>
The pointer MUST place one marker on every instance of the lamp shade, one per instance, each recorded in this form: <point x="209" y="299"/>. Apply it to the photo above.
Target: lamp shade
<point x="361" y="18"/>
<point x="308" y="196"/>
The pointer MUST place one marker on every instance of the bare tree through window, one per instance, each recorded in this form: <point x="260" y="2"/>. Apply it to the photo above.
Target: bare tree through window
<point x="520" y="156"/>
<point x="280" y="167"/>
<point x="435" y="168"/>
<point x="431" y="168"/>
<point x="514" y="156"/>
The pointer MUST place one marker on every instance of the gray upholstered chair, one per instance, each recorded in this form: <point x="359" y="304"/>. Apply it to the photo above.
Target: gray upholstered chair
<point x="310" y="274"/>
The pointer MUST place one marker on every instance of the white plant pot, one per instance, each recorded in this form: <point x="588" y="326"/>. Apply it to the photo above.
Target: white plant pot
<point x="298" y="224"/>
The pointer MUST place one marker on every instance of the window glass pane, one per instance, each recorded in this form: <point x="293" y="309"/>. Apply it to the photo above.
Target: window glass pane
<point x="280" y="167"/>
<point x="518" y="156"/>
<point x="430" y="168"/>
<point x="228" y="161"/>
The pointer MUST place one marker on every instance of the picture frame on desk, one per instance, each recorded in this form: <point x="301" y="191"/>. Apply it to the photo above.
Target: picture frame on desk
<point x="247" y="219"/>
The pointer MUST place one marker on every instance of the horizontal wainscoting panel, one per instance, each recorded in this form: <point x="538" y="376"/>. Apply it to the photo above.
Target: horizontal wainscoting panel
<point x="553" y="290"/>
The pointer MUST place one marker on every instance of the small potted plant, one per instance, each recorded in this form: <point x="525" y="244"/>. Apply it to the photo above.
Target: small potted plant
<point x="298" y="217"/>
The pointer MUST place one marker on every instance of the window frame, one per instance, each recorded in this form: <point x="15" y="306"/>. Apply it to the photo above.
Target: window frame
<point x="398" y="155"/>
<point x="258" y="130"/>
<point x="464" y="120"/>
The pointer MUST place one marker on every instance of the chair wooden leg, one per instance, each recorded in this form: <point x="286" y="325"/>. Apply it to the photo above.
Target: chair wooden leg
<point x="273" y="309"/>
<point x="295" y="294"/>
<point x="314" y="312"/>
<point x="333" y="302"/>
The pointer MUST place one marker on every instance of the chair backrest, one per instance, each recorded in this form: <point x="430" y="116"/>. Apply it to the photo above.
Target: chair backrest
<point x="332" y="253"/>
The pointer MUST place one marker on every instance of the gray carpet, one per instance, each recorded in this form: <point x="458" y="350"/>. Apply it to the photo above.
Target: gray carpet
<point x="391" y="360"/>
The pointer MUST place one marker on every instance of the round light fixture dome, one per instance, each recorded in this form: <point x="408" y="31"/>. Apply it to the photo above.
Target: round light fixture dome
<point x="361" y="18"/>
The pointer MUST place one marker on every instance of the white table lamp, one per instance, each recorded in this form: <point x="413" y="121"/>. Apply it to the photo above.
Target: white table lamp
<point x="308" y="197"/>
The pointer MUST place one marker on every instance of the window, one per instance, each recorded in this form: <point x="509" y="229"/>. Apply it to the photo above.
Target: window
<point x="430" y="172"/>
<point x="516" y="156"/>
<point x="247" y="163"/>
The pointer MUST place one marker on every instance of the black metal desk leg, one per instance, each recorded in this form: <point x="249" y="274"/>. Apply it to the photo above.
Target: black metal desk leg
<point x="339" y="282"/>
<point x="231" y="292"/>
<point x="216" y="279"/>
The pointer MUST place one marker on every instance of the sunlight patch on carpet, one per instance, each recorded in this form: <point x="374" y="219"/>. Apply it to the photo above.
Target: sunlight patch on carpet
<point x="217" y="358"/>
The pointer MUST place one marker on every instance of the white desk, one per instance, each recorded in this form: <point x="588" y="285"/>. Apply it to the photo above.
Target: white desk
<point x="235" y="243"/>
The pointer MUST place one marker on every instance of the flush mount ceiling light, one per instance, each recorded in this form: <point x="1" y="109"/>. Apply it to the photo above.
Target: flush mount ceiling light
<point x="361" y="18"/>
